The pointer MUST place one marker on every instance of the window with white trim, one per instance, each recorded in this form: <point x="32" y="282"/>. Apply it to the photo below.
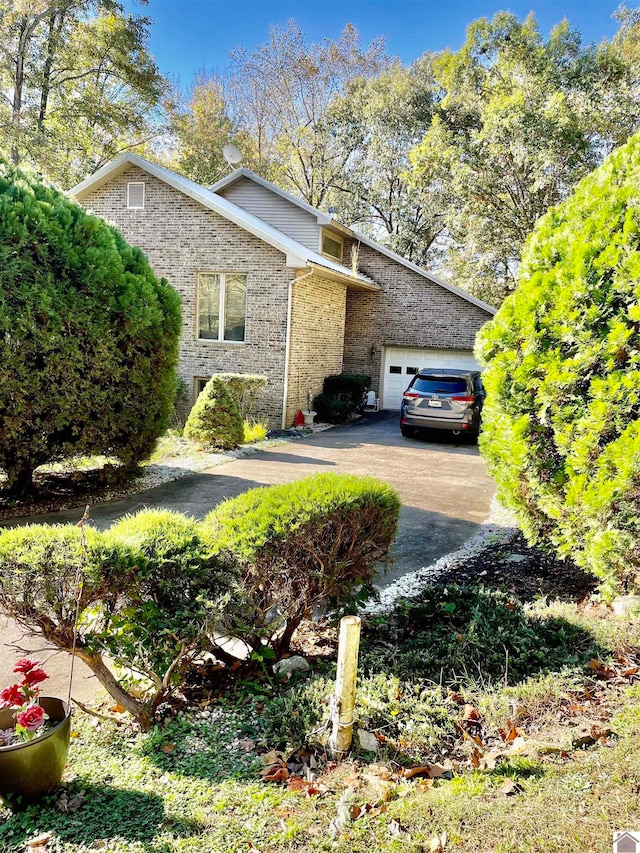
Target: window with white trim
<point x="222" y="306"/>
<point x="332" y="245"/>
<point x="135" y="195"/>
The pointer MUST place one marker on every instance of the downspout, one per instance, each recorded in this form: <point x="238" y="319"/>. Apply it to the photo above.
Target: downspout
<point x="287" y="348"/>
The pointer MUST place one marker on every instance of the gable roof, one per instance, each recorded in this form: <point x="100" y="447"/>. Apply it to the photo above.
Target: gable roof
<point x="297" y="255"/>
<point x="326" y="219"/>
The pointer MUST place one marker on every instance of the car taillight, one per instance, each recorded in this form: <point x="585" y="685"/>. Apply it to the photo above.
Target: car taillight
<point x="464" y="399"/>
<point x="410" y="395"/>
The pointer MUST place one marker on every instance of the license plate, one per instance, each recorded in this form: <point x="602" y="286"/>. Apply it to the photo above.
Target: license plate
<point x="436" y="403"/>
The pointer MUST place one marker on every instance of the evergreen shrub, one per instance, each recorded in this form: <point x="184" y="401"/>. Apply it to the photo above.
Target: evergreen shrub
<point x="311" y="544"/>
<point x="343" y="396"/>
<point x="561" y="425"/>
<point x="88" y="335"/>
<point x="215" y="419"/>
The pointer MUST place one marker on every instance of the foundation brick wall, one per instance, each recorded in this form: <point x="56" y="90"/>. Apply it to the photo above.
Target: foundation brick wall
<point x="411" y="311"/>
<point x="181" y="238"/>
<point x="316" y="345"/>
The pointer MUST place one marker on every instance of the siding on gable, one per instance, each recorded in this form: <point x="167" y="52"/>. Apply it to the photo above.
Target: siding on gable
<point x="287" y="217"/>
<point x="410" y="311"/>
<point x="180" y="238"/>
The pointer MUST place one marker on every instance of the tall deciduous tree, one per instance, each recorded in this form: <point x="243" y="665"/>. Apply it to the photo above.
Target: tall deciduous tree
<point x="521" y="121"/>
<point x="280" y="93"/>
<point x="201" y="126"/>
<point x="387" y="115"/>
<point x="78" y="84"/>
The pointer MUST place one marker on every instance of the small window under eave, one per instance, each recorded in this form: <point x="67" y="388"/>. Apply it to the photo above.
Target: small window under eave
<point x="135" y="195"/>
<point x="332" y="245"/>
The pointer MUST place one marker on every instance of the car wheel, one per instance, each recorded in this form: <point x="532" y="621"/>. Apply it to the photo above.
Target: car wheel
<point x="407" y="432"/>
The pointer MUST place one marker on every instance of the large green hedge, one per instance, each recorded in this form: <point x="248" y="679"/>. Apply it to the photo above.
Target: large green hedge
<point x="88" y="335"/>
<point x="562" y="419"/>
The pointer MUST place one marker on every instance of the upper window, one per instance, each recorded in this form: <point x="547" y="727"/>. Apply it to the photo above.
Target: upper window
<point x="135" y="195"/>
<point x="332" y="245"/>
<point x="222" y="298"/>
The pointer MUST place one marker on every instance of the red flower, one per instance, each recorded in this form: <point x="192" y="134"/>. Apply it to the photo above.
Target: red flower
<point x="25" y="664"/>
<point x="11" y="696"/>
<point x="35" y="676"/>
<point x="31" y="719"/>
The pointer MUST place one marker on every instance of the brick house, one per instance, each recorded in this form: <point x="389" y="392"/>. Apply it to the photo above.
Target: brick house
<point x="271" y="285"/>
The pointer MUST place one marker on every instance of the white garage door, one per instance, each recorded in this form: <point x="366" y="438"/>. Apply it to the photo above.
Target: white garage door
<point x="400" y="365"/>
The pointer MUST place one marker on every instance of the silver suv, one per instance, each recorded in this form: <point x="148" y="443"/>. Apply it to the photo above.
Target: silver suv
<point x="443" y="399"/>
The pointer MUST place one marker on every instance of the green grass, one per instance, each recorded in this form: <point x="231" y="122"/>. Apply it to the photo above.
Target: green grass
<point x="192" y="785"/>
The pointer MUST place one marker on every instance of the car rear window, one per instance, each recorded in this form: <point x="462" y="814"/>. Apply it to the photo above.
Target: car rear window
<point x="437" y="385"/>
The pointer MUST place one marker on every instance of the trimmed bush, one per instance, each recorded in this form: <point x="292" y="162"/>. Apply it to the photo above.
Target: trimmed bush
<point x="332" y="410"/>
<point x="244" y="388"/>
<point x="343" y="396"/>
<point x="144" y="601"/>
<point x="310" y="544"/>
<point x="352" y="386"/>
<point x="161" y="612"/>
<point x="215" y="419"/>
<point x="88" y="335"/>
<point x="561" y="426"/>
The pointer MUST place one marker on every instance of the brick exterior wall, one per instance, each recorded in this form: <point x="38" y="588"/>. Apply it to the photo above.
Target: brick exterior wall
<point x="411" y="311"/>
<point x="316" y="346"/>
<point x="181" y="238"/>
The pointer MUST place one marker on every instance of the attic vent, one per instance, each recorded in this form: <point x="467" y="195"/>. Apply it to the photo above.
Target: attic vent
<point x="135" y="195"/>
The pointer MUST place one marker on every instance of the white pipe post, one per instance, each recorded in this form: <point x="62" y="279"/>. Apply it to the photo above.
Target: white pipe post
<point x="345" y="696"/>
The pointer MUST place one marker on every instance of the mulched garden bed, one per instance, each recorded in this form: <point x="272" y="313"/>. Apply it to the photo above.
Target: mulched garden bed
<point x="68" y="489"/>
<point x="524" y="571"/>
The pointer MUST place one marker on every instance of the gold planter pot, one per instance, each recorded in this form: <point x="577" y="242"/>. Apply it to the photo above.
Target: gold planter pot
<point x="29" y="770"/>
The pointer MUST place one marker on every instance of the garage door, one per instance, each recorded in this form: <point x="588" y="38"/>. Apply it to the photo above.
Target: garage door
<point x="400" y="365"/>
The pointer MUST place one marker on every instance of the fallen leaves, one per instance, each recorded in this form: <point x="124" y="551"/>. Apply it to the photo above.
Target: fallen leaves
<point x="510" y="788"/>
<point x="438" y="843"/>
<point x="39" y="844"/>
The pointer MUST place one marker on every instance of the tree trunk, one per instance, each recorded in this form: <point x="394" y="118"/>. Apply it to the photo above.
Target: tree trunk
<point x="284" y="642"/>
<point x="46" y="72"/>
<point x="139" y="710"/>
<point x="18" y="84"/>
<point x="20" y="478"/>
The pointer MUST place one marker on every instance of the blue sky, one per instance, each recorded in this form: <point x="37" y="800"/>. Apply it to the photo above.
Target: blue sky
<point x="191" y="35"/>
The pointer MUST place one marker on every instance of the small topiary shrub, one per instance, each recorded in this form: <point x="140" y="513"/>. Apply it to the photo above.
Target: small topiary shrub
<point x="244" y="388"/>
<point x="351" y="386"/>
<point x="342" y="397"/>
<point x="215" y="419"/>
<point x="144" y="599"/>
<point x="88" y="335"/>
<point x="561" y="427"/>
<point x="310" y="544"/>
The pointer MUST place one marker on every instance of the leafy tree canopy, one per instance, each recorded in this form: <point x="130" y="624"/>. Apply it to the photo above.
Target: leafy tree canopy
<point x="78" y="85"/>
<point x="520" y="121"/>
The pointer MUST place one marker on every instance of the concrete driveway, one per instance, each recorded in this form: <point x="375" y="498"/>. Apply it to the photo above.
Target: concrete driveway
<point x="443" y="485"/>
